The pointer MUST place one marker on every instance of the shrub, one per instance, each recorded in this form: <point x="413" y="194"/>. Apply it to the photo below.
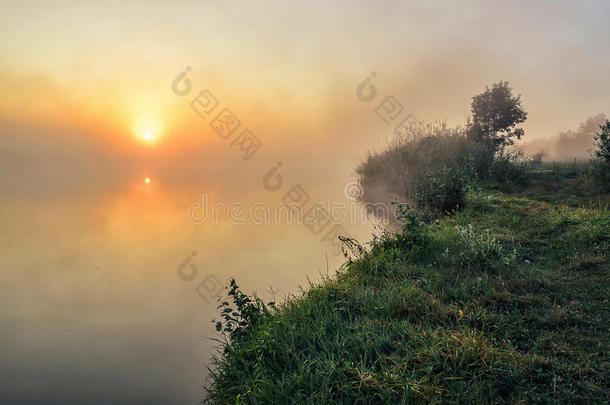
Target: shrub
<point x="600" y="174"/>
<point x="477" y="160"/>
<point x="248" y="312"/>
<point x="602" y="142"/>
<point x="442" y="191"/>
<point x="430" y="165"/>
<point x="412" y="239"/>
<point x="510" y="167"/>
<point x="415" y="236"/>
<point x="425" y="163"/>
<point x="392" y="174"/>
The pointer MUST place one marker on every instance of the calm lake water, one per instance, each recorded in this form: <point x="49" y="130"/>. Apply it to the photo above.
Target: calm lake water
<point x="93" y="308"/>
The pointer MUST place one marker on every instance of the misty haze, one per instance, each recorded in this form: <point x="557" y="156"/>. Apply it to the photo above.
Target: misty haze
<point x="283" y="202"/>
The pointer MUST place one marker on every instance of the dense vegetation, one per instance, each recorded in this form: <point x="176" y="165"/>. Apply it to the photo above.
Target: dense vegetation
<point x="430" y="165"/>
<point x="493" y="290"/>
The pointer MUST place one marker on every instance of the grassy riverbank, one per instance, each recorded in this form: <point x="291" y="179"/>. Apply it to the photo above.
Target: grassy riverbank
<point x="505" y="301"/>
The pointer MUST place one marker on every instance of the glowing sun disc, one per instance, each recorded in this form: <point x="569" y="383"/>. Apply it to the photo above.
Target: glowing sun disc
<point x="147" y="180"/>
<point x="148" y="136"/>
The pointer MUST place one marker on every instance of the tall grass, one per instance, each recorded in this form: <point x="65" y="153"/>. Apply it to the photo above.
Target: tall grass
<point x="429" y="166"/>
<point x="504" y="302"/>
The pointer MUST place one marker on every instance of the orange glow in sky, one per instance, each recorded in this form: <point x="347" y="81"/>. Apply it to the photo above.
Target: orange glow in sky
<point x="148" y="137"/>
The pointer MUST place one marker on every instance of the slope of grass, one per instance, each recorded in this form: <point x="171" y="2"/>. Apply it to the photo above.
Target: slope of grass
<point x="506" y="301"/>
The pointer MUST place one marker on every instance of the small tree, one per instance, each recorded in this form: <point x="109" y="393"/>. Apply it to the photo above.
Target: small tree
<point x="602" y="141"/>
<point x="495" y="114"/>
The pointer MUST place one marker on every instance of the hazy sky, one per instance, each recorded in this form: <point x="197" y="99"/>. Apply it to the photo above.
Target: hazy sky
<point x="289" y="69"/>
<point x="82" y="82"/>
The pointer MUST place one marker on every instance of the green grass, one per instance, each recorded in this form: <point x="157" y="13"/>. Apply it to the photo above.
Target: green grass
<point x="506" y="301"/>
<point x="568" y="183"/>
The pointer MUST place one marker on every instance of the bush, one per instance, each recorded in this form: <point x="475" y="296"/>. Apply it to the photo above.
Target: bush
<point x="427" y="166"/>
<point x="415" y="236"/>
<point x="600" y="173"/>
<point x="430" y="165"/>
<point x="510" y="167"/>
<point x="392" y="175"/>
<point x="248" y="312"/>
<point x="442" y="192"/>
<point x="602" y="142"/>
<point x="477" y="160"/>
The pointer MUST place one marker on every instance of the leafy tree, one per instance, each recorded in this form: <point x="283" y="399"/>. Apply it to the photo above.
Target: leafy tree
<point x="602" y="141"/>
<point x="495" y="115"/>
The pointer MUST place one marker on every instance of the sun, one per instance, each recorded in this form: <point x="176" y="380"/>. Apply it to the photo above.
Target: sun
<point x="147" y="129"/>
<point x="147" y="180"/>
<point x="148" y="136"/>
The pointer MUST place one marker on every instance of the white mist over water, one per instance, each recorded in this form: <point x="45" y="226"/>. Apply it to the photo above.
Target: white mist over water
<point x="93" y="307"/>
